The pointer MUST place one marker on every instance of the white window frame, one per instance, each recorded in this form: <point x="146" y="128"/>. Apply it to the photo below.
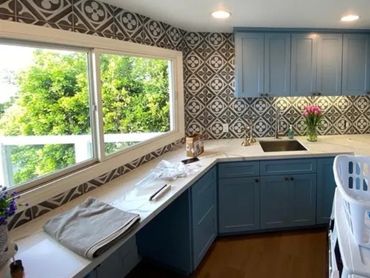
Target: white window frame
<point x="46" y="187"/>
<point x="173" y="115"/>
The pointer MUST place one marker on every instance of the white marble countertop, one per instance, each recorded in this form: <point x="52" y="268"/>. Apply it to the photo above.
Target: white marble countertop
<point x="42" y="256"/>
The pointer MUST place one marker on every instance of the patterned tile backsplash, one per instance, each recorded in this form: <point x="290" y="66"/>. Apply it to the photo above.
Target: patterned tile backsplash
<point x="210" y="101"/>
<point x="209" y="82"/>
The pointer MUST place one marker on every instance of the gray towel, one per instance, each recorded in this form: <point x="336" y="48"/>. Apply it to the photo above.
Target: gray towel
<point x="90" y="228"/>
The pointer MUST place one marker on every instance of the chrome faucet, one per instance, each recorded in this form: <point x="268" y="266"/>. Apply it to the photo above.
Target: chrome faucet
<point x="277" y="124"/>
<point x="248" y="139"/>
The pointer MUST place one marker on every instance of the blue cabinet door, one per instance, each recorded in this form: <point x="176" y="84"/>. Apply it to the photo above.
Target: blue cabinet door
<point x="204" y="215"/>
<point x="274" y="202"/>
<point x="249" y="63"/>
<point x="288" y="201"/>
<point x="238" y="205"/>
<point x="304" y="64"/>
<point x="356" y="59"/>
<point x="167" y="239"/>
<point x="120" y="263"/>
<point x="329" y="64"/>
<point x="302" y="200"/>
<point x="277" y="64"/>
<point x="325" y="189"/>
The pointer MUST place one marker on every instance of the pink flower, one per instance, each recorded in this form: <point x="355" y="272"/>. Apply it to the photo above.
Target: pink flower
<point x="312" y="115"/>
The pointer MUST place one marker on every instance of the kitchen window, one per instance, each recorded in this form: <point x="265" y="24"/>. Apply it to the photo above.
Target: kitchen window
<point x="73" y="109"/>
<point x="135" y="99"/>
<point x="45" y="124"/>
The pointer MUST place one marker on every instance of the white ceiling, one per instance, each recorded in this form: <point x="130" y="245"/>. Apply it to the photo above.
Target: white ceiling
<point x="194" y="15"/>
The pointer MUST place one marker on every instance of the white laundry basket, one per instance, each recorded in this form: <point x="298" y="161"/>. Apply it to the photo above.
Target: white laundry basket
<point x="352" y="176"/>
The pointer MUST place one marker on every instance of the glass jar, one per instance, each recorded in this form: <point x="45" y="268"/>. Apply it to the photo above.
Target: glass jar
<point x="312" y="133"/>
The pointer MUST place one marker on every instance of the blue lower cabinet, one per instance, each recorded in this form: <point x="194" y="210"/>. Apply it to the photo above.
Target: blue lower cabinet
<point x="238" y="205"/>
<point x="325" y="189"/>
<point x="167" y="239"/>
<point x="120" y="263"/>
<point x="204" y="215"/>
<point x="288" y="201"/>
<point x="180" y="236"/>
<point x="287" y="167"/>
<point x="252" y="196"/>
<point x="238" y="169"/>
<point x="274" y="202"/>
<point x="302" y="200"/>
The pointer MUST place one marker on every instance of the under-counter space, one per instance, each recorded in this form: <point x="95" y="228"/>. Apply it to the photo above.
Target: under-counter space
<point x="36" y="248"/>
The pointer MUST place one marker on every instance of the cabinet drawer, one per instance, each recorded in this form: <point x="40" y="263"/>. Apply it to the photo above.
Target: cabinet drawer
<point x="288" y="166"/>
<point x="238" y="169"/>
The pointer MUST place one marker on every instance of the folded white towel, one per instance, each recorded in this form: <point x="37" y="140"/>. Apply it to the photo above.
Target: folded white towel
<point x="90" y="228"/>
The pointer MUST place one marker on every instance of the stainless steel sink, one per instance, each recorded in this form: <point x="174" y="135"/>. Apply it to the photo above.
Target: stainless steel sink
<point x="282" y="146"/>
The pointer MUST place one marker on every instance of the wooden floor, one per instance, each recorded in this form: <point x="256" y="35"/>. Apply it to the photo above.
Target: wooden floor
<point x="300" y="254"/>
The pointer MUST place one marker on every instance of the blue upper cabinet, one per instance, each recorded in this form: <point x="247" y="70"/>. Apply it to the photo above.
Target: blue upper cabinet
<point x="329" y="64"/>
<point x="316" y="64"/>
<point x="249" y="63"/>
<point x="304" y="64"/>
<point x="356" y="78"/>
<point x="298" y="63"/>
<point x="277" y="64"/>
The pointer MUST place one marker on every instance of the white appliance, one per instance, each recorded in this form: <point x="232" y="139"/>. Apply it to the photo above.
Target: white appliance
<point x="346" y="258"/>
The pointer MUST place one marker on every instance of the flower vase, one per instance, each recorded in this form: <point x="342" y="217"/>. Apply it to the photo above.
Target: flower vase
<point x="7" y="249"/>
<point x="311" y="134"/>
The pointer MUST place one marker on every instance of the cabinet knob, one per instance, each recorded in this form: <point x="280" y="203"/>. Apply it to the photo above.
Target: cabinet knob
<point x="257" y="180"/>
<point x="286" y="178"/>
<point x="292" y="179"/>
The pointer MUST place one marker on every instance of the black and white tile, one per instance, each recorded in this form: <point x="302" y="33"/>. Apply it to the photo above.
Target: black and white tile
<point x="93" y="17"/>
<point x="52" y="13"/>
<point x="209" y="68"/>
<point x="7" y="9"/>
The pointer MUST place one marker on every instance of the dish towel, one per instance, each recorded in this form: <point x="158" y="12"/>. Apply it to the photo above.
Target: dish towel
<point x="90" y="228"/>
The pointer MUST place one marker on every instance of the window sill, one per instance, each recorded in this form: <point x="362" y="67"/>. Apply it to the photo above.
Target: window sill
<point x="60" y="185"/>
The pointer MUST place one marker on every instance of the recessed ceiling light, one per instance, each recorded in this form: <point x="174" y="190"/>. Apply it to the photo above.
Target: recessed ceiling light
<point x="350" y="17"/>
<point x="221" y="14"/>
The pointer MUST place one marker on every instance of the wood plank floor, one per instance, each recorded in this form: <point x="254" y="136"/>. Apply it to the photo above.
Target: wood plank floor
<point x="299" y="254"/>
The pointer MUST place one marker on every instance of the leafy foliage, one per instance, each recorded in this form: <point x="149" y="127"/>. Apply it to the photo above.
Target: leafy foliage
<point x="53" y="99"/>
